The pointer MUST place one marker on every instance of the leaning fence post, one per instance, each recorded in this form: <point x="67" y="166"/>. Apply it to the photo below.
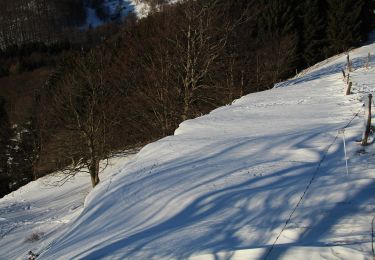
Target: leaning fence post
<point x="368" y="124"/>
<point x="343" y="74"/>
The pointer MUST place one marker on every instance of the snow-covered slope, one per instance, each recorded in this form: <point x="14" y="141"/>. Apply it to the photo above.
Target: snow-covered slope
<point x="32" y="217"/>
<point x="119" y="9"/>
<point x="263" y="178"/>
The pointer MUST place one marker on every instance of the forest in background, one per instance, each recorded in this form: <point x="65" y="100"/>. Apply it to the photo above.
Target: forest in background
<point x="68" y="102"/>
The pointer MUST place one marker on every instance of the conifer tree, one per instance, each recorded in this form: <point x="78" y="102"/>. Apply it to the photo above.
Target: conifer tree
<point x="24" y="151"/>
<point x="30" y="147"/>
<point x="278" y="18"/>
<point x="313" y="32"/>
<point x="278" y="39"/>
<point x="368" y="15"/>
<point x="5" y="135"/>
<point x="344" y="24"/>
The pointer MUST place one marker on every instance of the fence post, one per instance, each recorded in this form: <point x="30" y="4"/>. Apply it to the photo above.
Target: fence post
<point x="368" y="124"/>
<point x="368" y="61"/>
<point x="349" y="64"/>
<point x="349" y="85"/>
<point x="348" y="79"/>
<point x="349" y="88"/>
<point x="343" y="74"/>
<point x="342" y="131"/>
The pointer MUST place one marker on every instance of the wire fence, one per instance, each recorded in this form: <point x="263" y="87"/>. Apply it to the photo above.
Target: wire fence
<point x="325" y="154"/>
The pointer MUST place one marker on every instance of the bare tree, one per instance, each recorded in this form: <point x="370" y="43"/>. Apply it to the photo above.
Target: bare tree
<point x="198" y="45"/>
<point x="83" y="109"/>
<point x="160" y="89"/>
<point x="157" y="81"/>
<point x="180" y="66"/>
<point x="25" y="21"/>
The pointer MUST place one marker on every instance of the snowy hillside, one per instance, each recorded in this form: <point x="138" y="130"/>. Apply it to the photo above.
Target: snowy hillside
<point x="118" y="9"/>
<point x="263" y="178"/>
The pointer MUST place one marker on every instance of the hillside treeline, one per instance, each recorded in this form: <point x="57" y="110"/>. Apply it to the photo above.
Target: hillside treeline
<point x="50" y="21"/>
<point x="25" y="21"/>
<point x="177" y="64"/>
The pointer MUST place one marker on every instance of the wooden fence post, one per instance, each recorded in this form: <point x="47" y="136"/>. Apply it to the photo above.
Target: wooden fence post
<point x="343" y="74"/>
<point x="349" y="63"/>
<point x="349" y="88"/>
<point x="368" y="61"/>
<point x="368" y="124"/>
<point x="348" y="79"/>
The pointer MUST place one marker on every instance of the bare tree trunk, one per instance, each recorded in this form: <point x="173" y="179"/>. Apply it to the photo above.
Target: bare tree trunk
<point x="185" y="113"/>
<point x="197" y="51"/>
<point x="94" y="172"/>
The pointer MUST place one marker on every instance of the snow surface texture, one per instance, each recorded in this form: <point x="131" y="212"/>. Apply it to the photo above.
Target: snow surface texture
<point x="32" y="217"/>
<point x="119" y="9"/>
<point x="263" y="178"/>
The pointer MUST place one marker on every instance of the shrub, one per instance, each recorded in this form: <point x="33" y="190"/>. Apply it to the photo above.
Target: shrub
<point x="35" y="236"/>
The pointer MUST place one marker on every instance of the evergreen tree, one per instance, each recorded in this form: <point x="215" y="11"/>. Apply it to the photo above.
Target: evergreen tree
<point x="30" y="147"/>
<point x="344" y="24"/>
<point x="24" y="152"/>
<point x="279" y="18"/>
<point x="313" y="32"/>
<point x="278" y="39"/>
<point x="368" y="16"/>
<point x="5" y="135"/>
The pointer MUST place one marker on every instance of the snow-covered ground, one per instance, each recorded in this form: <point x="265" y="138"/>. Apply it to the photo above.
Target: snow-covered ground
<point x="263" y="178"/>
<point x="119" y="9"/>
<point x="32" y="217"/>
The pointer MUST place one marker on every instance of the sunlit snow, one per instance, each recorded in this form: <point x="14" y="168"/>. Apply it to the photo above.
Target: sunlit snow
<point x="262" y="178"/>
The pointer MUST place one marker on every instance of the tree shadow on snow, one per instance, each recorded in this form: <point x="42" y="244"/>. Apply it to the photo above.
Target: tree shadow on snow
<point x="231" y="202"/>
<point x="320" y="228"/>
<point x="222" y="235"/>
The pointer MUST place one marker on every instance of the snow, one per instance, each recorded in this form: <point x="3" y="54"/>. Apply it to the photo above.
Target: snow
<point x="262" y="178"/>
<point x="43" y="209"/>
<point x="117" y="9"/>
<point x="120" y="9"/>
<point x="91" y="19"/>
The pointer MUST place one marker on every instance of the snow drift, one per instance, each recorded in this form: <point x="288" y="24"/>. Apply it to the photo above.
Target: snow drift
<point x="262" y="178"/>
